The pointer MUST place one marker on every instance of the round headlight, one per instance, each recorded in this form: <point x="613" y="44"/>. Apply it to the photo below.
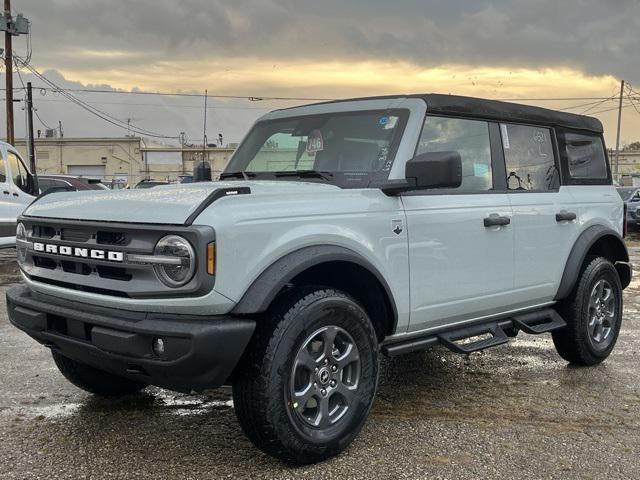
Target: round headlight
<point x="21" y="242"/>
<point x="174" y="274"/>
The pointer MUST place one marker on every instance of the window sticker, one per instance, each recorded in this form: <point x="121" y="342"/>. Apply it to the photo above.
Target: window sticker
<point x="505" y="136"/>
<point x="315" y="142"/>
<point x="390" y="123"/>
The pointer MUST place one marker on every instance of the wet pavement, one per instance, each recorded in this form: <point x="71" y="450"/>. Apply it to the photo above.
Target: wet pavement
<point x="516" y="411"/>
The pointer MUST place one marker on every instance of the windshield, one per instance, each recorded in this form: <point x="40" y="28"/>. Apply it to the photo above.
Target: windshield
<point x="625" y="193"/>
<point x="350" y="149"/>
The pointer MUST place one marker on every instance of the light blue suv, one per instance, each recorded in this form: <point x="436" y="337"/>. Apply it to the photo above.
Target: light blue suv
<point x="339" y="232"/>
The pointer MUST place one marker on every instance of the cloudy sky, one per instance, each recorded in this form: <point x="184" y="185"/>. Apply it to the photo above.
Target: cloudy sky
<point x="516" y="49"/>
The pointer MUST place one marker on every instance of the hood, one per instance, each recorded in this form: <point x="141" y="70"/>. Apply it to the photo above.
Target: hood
<point x="171" y="204"/>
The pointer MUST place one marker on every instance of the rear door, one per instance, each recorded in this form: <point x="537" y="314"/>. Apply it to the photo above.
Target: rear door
<point x="460" y="258"/>
<point x="545" y="215"/>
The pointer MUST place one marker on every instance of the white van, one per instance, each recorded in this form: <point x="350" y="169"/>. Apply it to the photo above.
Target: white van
<point x="16" y="192"/>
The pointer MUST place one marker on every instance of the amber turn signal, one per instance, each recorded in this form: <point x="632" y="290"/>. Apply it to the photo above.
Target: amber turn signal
<point x="211" y="258"/>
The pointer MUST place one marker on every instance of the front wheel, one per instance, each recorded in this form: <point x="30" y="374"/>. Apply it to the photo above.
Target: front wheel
<point x="305" y="387"/>
<point x="593" y="313"/>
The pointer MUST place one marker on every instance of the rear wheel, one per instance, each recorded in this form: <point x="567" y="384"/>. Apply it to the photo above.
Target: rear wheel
<point x="305" y="387"/>
<point x="94" y="380"/>
<point x="593" y="314"/>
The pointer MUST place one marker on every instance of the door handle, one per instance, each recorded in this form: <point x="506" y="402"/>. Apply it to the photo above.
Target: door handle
<point x="565" y="216"/>
<point x="6" y="192"/>
<point x="495" y="220"/>
<point x="16" y="195"/>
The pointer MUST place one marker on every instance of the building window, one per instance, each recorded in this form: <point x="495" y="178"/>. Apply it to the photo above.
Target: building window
<point x="529" y="157"/>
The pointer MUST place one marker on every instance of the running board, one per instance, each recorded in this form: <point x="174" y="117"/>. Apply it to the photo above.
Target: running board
<point x="474" y="339"/>
<point x="480" y="336"/>
<point x="539" y="322"/>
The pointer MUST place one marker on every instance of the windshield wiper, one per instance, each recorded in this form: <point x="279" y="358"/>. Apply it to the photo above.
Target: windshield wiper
<point x="328" y="176"/>
<point x="239" y="174"/>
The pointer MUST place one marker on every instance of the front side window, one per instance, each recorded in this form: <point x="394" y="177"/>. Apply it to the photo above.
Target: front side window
<point x="585" y="156"/>
<point x="470" y="138"/>
<point x="350" y="149"/>
<point x="18" y="172"/>
<point x="3" y="171"/>
<point x="529" y="158"/>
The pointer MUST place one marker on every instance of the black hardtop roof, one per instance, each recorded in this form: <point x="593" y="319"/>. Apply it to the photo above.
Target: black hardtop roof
<point x="496" y="110"/>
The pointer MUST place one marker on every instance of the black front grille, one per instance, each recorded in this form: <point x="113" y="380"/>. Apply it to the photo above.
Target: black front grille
<point x="112" y="238"/>
<point x="75" y="235"/>
<point x="113" y="273"/>
<point x="43" y="232"/>
<point x="78" y="255"/>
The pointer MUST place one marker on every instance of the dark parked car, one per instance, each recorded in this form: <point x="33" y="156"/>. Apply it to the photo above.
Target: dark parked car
<point x="67" y="183"/>
<point x="150" y="183"/>
<point x="631" y="198"/>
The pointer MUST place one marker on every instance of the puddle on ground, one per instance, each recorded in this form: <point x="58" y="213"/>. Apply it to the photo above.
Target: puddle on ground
<point x="155" y="400"/>
<point x="9" y="271"/>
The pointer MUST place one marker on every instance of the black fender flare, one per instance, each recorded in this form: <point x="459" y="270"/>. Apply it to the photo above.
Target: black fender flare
<point x="264" y="289"/>
<point x="581" y="247"/>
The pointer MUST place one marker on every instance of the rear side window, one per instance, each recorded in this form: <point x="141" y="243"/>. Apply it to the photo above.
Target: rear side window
<point x="584" y="155"/>
<point x="529" y="158"/>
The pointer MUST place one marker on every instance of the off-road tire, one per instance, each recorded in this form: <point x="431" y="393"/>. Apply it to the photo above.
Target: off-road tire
<point x="261" y="390"/>
<point x="93" y="380"/>
<point x="575" y="343"/>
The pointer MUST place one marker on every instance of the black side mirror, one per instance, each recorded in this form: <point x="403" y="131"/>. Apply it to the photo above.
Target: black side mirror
<point x="32" y="184"/>
<point x="429" y="170"/>
<point x="435" y="170"/>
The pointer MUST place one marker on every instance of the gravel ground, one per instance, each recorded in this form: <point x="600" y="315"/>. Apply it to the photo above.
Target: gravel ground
<point x="516" y="411"/>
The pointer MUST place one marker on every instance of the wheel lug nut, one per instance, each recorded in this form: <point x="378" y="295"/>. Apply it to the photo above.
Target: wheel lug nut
<point x="315" y="385"/>
<point x="333" y="383"/>
<point x="326" y="360"/>
<point x="323" y="392"/>
<point x="334" y="368"/>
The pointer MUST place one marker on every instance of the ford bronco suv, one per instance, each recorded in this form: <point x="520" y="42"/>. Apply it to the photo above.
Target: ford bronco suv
<point x="338" y="232"/>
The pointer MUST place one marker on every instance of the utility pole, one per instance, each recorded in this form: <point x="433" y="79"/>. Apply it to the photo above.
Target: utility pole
<point x="11" y="28"/>
<point x="8" y="69"/>
<point x="206" y="96"/>
<point x="32" y="143"/>
<point x="204" y="136"/>
<point x="618" y="134"/>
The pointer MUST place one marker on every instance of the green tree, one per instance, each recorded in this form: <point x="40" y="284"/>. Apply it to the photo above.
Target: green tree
<point x="635" y="146"/>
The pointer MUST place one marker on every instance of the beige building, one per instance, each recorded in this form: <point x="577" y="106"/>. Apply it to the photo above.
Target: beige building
<point x="124" y="160"/>
<point x="629" y="163"/>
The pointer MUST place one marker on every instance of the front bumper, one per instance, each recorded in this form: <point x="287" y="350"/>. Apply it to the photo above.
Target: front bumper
<point x="199" y="353"/>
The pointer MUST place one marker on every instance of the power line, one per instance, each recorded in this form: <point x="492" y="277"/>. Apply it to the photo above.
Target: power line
<point x="91" y="109"/>
<point x="255" y="98"/>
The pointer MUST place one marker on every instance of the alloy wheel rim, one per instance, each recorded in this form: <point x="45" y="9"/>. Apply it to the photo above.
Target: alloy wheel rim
<point x="325" y="377"/>
<point x="602" y="314"/>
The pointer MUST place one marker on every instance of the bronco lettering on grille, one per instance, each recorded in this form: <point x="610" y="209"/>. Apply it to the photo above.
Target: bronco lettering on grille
<point x="78" y="252"/>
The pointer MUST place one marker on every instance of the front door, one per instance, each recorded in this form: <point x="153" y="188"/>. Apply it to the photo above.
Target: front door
<point x="460" y="240"/>
<point x="14" y="196"/>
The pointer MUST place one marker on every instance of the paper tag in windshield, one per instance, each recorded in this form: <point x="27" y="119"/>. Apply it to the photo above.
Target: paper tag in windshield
<point x="315" y="142"/>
